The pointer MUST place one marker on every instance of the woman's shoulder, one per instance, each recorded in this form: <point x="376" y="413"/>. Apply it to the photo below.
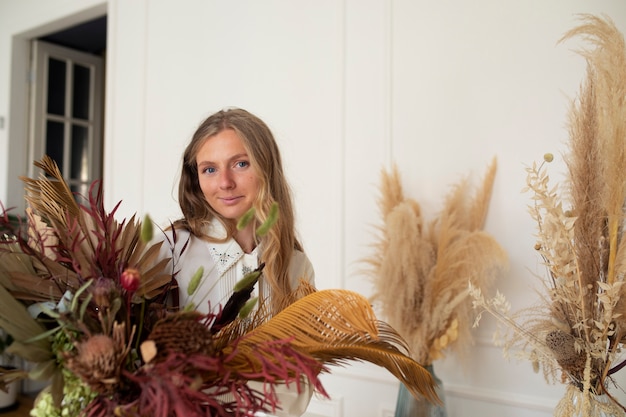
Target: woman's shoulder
<point x="301" y="268"/>
<point x="171" y="235"/>
<point x="171" y="240"/>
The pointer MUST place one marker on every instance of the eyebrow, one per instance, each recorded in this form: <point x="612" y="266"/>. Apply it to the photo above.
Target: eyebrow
<point x="232" y="158"/>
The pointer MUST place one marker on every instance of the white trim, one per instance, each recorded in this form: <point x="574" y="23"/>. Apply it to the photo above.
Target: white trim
<point x="42" y="52"/>
<point x="388" y="81"/>
<point x="19" y="100"/>
<point x="320" y="407"/>
<point x="499" y="397"/>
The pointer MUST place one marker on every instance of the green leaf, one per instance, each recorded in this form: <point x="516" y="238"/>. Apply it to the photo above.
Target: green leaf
<point x="248" y="307"/>
<point x="43" y="370"/>
<point x="247" y="280"/>
<point x="269" y="222"/>
<point x="76" y="297"/>
<point x="195" y="280"/>
<point x="43" y="335"/>
<point x="147" y="230"/>
<point x="246" y="218"/>
<point x="84" y="305"/>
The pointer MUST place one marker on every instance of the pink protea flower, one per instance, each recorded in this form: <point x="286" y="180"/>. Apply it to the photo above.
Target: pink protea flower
<point x="99" y="359"/>
<point x="104" y="291"/>
<point x="130" y="279"/>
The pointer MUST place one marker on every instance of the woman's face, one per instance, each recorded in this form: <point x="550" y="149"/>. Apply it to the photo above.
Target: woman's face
<point x="229" y="184"/>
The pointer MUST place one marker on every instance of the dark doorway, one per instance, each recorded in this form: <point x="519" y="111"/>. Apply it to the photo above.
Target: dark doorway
<point x="87" y="37"/>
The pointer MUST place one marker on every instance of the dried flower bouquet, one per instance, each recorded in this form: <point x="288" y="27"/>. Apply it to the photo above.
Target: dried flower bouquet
<point x="86" y="300"/>
<point x="421" y="269"/>
<point x="578" y="330"/>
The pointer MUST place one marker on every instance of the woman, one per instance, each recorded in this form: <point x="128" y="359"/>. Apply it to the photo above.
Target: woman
<point x="231" y="165"/>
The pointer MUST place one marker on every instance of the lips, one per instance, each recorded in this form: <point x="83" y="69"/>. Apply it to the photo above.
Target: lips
<point x="229" y="201"/>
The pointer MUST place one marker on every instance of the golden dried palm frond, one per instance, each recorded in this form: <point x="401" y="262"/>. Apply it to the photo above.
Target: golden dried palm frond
<point x="421" y="270"/>
<point x="93" y="242"/>
<point x="12" y="258"/>
<point x="50" y="195"/>
<point x="335" y="327"/>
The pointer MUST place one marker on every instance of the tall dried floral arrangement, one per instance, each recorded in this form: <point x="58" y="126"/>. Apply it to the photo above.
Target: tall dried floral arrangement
<point x="421" y="269"/>
<point x="111" y="344"/>
<point x="578" y="330"/>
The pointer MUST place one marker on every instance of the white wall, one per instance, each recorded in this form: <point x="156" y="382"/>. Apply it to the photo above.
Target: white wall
<point x="438" y="87"/>
<point x="21" y="21"/>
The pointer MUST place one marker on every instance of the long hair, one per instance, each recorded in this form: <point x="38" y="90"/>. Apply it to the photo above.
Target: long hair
<point x="278" y="245"/>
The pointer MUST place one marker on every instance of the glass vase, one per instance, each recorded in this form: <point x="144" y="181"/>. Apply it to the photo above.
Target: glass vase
<point x="576" y="404"/>
<point x="408" y="406"/>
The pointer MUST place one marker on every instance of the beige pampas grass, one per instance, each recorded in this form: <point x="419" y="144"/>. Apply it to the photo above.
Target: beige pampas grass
<point x="421" y="269"/>
<point x="578" y="330"/>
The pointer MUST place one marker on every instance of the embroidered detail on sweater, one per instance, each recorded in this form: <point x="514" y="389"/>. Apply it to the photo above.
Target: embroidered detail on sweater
<point x="224" y="260"/>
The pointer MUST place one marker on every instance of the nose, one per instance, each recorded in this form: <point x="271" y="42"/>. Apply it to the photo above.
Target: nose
<point x="226" y="180"/>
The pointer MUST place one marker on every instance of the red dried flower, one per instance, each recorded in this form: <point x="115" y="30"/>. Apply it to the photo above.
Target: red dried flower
<point x="130" y="279"/>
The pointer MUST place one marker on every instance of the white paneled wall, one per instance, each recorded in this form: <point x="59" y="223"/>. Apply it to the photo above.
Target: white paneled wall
<point x="349" y="87"/>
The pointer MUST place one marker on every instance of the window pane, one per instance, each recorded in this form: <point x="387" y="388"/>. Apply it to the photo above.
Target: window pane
<point x="80" y="153"/>
<point x="56" y="86"/>
<point x="80" y="103"/>
<point x="54" y="142"/>
<point x="81" y="192"/>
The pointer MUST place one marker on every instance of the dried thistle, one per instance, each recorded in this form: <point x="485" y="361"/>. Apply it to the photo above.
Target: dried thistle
<point x="182" y="333"/>
<point x="99" y="359"/>
<point x="421" y="270"/>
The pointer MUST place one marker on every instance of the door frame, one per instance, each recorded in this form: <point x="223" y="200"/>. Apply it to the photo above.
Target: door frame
<point x="19" y="94"/>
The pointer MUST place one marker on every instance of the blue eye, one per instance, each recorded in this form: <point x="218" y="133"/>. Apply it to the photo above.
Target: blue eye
<point x="208" y="170"/>
<point x="243" y="164"/>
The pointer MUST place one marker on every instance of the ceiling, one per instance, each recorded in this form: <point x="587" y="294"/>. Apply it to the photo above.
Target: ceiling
<point x="87" y="37"/>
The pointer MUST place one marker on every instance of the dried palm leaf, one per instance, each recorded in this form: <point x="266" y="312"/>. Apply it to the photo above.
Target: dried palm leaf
<point x="337" y="326"/>
<point x="50" y="195"/>
<point x="17" y="321"/>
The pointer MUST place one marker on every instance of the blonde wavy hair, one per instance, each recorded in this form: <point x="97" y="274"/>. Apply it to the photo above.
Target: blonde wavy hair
<point x="277" y="245"/>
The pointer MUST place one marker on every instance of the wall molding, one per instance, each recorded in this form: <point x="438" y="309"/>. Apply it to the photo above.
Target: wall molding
<point x="321" y="407"/>
<point x="510" y="399"/>
<point x="361" y="372"/>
